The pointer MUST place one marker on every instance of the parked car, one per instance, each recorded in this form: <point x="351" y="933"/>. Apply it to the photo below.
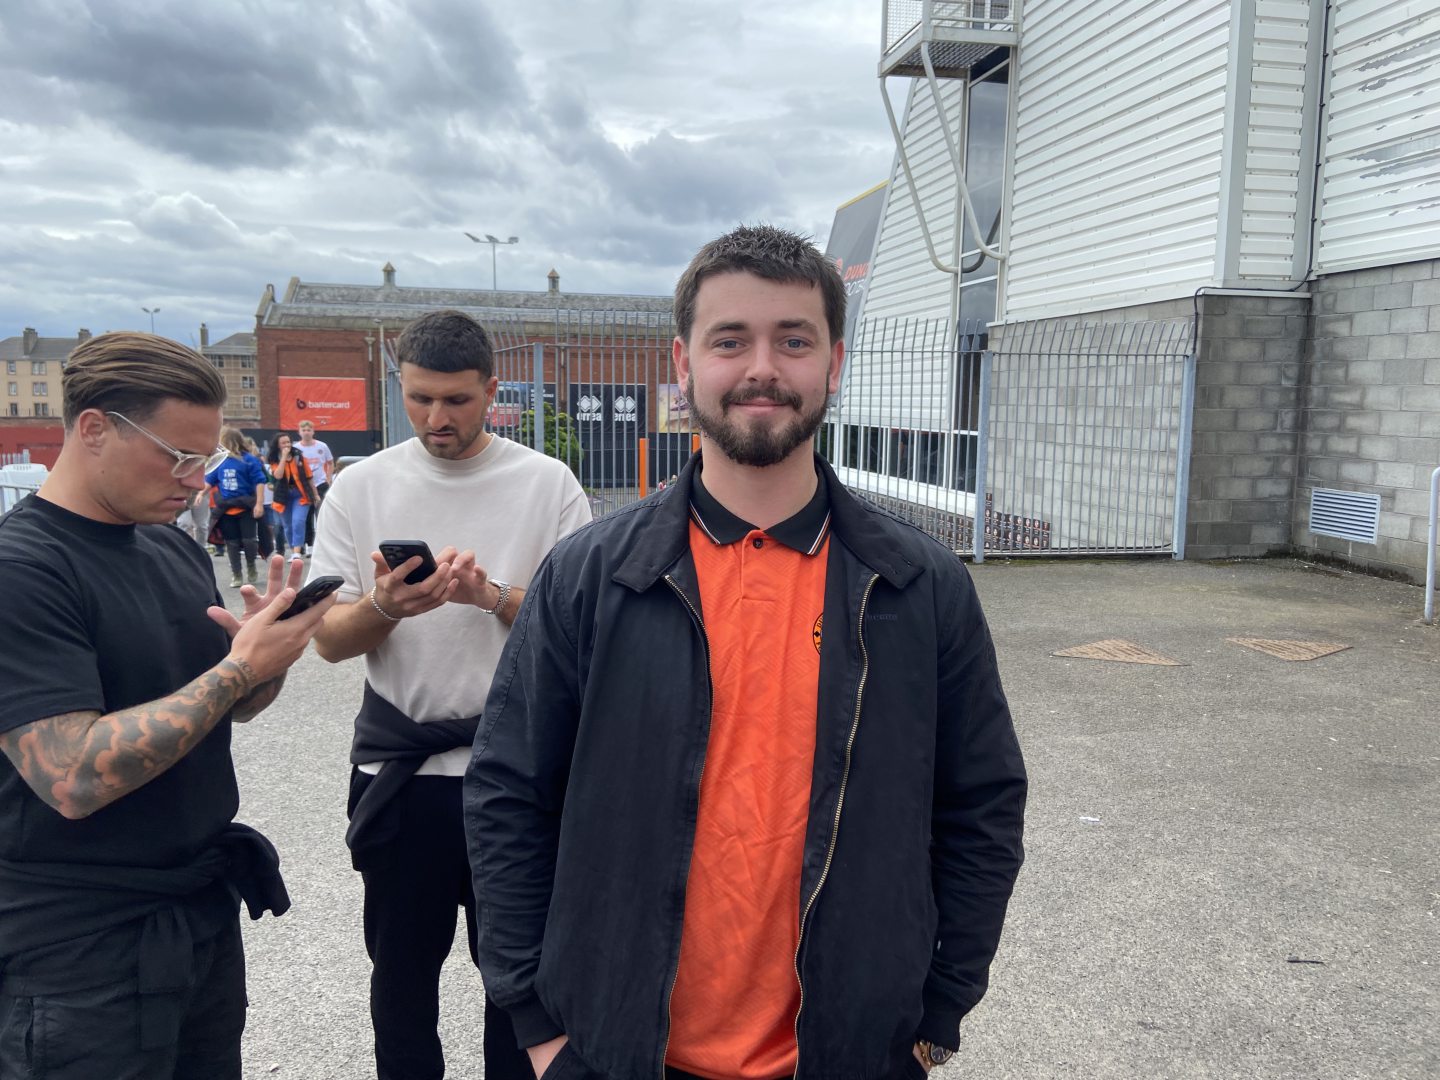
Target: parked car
<point x="512" y="400"/>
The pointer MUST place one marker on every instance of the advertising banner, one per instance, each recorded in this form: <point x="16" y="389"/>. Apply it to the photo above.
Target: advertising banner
<point x="329" y="404"/>
<point x="674" y="412"/>
<point x="852" y="239"/>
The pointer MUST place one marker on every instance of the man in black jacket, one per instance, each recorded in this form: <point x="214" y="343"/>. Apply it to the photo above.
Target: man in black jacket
<point x="746" y="801"/>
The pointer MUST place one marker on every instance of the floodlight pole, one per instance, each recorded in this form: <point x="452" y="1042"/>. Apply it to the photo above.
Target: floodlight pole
<point x="494" y="242"/>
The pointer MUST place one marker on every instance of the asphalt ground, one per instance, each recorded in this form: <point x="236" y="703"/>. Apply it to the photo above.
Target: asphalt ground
<point x="1232" y="864"/>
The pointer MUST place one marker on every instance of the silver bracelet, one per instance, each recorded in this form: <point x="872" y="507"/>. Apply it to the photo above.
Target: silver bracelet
<point x="504" y="587"/>
<point x="376" y="605"/>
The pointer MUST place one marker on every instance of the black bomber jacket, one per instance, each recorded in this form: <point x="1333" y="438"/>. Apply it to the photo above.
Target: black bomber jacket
<point x="582" y="793"/>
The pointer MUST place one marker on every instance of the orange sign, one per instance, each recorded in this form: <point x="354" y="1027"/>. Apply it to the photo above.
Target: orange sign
<point x="329" y="404"/>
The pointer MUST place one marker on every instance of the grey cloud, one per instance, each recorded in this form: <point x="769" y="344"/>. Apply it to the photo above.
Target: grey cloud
<point x="233" y="84"/>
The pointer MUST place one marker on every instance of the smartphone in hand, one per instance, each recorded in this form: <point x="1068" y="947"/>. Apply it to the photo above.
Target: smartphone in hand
<point x="396" y="552"/>
<point x="312" y="594"/>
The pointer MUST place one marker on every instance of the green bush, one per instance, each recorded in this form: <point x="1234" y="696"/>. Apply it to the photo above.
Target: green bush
<point x="562" y="442"/>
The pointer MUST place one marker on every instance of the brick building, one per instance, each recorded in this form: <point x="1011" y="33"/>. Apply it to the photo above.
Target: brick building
<point x="32" y="409"/>
<point x="234" y="358"/>
<point x="319" y="347"/>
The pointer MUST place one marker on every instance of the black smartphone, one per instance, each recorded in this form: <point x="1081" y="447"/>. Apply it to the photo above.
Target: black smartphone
<point x="396" y="552"/>
<point x="313" y="592"/>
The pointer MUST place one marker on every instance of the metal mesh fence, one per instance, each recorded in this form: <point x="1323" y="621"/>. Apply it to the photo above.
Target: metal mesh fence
<point x="1056" y="438"/>
<point x="1059" y="438"/>
<point x="607" y="403"/>
<point x="1085" y="431"/>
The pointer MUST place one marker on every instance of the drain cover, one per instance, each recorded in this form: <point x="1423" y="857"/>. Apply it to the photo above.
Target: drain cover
<point x="1290" y="650"/>
<point x="1120" y="651"/>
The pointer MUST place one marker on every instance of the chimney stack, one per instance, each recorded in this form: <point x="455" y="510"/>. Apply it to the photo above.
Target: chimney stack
<point x="389" y="272"/>
<point x="30" y="337"/>
<point x="554" y="278"/>
<point x="204" y="337"/>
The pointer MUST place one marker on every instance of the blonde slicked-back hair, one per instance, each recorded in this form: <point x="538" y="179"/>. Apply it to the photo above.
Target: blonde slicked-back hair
<point x="134" y="374"/>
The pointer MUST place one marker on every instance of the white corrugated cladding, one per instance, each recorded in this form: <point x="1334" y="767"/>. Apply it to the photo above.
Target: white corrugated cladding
<point x="1276" y="164"/>
<point x="1118" y="147"/>
<point x="904" y="284"/>
<point x="1380" y="178"/>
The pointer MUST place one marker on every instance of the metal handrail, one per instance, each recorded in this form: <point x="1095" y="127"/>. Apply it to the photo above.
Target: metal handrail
<point x="1430" y="549"/>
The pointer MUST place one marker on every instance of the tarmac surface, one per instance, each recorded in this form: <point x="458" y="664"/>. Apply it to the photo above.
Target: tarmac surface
<point x="1233" y="868"/>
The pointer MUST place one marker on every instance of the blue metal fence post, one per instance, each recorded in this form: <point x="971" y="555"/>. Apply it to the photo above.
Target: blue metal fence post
<point x="1182" y="462"/>
<point x="982" y="457"/>
<point x="537" y="403"/>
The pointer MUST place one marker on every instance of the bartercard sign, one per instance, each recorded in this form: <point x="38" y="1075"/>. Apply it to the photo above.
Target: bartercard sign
<point x="329" y="404"/>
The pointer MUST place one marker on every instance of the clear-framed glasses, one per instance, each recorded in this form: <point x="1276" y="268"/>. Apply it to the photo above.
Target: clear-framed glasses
<point x="185" y="464"/>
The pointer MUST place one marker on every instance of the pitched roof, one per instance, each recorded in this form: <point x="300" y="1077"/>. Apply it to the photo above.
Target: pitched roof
<point x="46" y="348"/>
<point x="316" y="304"/>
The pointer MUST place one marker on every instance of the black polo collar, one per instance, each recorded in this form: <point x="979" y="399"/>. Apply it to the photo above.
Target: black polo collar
<point x="804" y="532"/>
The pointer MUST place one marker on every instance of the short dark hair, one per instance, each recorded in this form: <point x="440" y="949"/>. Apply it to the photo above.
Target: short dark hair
<point x="767" y="252"/>
<point x="134" y="374"/>
<point x="447" y="341"/>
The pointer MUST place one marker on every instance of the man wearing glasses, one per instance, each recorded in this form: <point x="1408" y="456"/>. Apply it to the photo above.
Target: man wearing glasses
<point x="121" y="868"/>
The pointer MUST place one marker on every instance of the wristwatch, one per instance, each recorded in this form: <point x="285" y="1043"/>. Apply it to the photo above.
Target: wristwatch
<point x="504" y="587"/>
<point x="933" y="1055"/>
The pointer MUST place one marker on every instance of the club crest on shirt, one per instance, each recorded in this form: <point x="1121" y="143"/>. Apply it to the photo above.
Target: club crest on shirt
<point x="815" y="630"/>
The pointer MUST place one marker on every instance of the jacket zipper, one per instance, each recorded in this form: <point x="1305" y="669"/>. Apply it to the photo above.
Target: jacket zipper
<point x="710" y="687"/>
<point x="839" y="805"/>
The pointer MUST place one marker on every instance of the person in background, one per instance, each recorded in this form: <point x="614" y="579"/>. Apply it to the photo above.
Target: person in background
<point x="430" y="650"/>
<point x="265" y="535"/>
<point x="238" y="483"/>
<point x="294" y="490"/>
<point x="194" y="520"/>
<point x="322" y="474"/>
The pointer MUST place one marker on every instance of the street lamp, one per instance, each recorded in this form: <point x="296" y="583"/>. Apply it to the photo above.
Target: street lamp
<point x="152" y="312"/>
<point x="494" y="242"/>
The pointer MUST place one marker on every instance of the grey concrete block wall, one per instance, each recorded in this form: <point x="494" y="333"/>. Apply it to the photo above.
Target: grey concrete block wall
<point x="1339" y="390"/>
<point x="1248" y="372"/>
<point x="1371" y="408"/>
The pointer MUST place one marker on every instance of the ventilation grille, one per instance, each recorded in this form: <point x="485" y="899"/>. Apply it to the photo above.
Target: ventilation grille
<point x="1350" y="515"/>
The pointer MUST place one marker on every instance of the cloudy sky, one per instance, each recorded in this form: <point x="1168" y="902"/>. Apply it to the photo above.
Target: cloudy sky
<point x="183" y="153"/>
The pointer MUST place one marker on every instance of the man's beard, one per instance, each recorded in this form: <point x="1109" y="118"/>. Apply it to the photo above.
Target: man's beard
<point x="457" y="447"/>
<point x="753" y="444"/>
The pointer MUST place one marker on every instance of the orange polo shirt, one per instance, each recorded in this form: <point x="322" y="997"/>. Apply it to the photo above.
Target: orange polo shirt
<point x="762" y="595"/>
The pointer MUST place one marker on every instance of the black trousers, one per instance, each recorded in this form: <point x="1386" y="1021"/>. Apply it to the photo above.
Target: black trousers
<point x="97" y="1032"/>
<point x="320" y="490"/>
<point x="240" y="534"/>
<point x="413" y="888"/>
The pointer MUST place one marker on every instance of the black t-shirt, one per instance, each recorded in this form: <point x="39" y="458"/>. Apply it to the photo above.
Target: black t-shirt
<point x="104" y="617"/>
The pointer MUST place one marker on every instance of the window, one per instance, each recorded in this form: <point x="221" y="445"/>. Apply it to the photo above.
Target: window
<point x="40" y="389"/>
<point x="9" y="367"/>
<point x="248" y="402"/>
<point x="37" y="367"/>
<point x="14" y="409"/>
<point x="247" y="362"/>
<point x="247" y="382"/>
<point x="14" y="389"/>
<point x="42" y="409"/>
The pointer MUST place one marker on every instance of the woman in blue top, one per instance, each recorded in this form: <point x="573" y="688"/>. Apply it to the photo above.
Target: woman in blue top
<point x="238" y="484"/>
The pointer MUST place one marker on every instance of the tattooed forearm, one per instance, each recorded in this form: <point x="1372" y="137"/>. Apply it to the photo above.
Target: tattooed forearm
<point x="257" y="701"/>
<point x="80" y="762"/>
